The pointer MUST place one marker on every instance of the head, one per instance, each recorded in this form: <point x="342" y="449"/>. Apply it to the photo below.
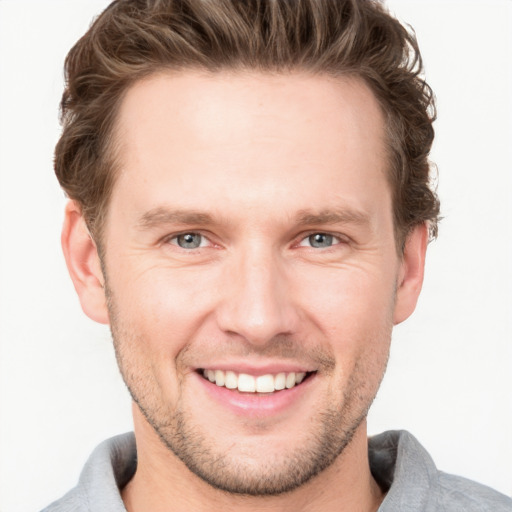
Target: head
<point x="254" y="178"/>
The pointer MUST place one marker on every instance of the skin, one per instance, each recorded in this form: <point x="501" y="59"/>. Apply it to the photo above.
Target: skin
<point x="267" y="161"/>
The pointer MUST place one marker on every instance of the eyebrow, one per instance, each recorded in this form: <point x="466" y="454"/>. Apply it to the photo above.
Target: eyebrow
<point x="162" y="215"/>
<point x="336" y="216"/>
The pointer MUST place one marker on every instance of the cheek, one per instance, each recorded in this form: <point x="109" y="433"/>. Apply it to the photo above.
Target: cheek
<point x="353" y="311"/>
<point x="348" y="302"/>
<point x="162" y="306"/>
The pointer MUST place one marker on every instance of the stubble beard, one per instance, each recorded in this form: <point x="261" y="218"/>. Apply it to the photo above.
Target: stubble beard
<point x="329" y="434"/>
<point x="241" y="476"/>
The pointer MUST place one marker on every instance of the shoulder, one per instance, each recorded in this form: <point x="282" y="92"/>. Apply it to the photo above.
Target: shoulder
<point x="108" y="469"/>
<point x="72" y="501"/>
<point x="406" y="471"/>
<point x="457" y="493"/>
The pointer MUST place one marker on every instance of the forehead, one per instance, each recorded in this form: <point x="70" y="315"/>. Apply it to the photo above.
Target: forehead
<point x="251" y="137"/>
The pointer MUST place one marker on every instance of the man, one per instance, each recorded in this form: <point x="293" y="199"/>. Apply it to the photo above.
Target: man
<point x="249" y="211"/>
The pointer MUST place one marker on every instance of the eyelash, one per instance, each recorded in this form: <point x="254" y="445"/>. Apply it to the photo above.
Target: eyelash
<point x="339" y="239"/>
<point x="170" y="239"/>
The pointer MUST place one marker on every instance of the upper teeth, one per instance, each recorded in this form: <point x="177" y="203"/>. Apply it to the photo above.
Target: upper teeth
<point x="250" y="384"/>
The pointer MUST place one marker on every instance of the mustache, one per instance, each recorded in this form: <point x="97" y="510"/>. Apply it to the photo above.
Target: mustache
<point x="282" y="347"/>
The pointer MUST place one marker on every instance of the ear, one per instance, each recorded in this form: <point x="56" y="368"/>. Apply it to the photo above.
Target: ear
<point x="83" y="264"/>
<point x="410" y="277"/>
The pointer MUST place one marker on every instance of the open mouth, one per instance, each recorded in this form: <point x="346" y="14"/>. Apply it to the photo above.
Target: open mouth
<point x="246" y="383"/>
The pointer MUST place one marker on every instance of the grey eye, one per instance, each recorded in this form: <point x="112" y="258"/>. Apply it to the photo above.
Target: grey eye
<point x="320" y="240"/>
<point x="189" y="240"/>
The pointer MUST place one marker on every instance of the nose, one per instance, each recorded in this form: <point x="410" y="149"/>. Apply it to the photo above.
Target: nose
<point x="256" y="301"/>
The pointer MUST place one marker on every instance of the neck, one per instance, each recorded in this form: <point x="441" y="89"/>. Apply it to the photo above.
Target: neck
<point x="162" y="482"/>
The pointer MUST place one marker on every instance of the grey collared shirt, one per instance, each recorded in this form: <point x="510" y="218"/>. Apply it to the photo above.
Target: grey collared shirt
<point x="398" y="462"/>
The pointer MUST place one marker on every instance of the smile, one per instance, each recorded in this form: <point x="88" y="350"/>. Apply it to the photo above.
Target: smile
<point x="246" y="383"/>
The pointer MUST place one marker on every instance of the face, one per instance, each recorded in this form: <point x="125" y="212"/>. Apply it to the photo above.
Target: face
<point x="251" y="269"/>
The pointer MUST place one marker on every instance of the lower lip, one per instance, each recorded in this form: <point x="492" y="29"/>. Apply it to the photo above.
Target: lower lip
<point x="257" y="404"/>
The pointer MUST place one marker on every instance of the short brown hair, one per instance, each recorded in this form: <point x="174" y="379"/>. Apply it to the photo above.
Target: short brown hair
<point x="132" y="39"/>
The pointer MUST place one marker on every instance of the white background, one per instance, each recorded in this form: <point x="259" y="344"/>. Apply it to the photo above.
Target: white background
<point x="450" y="375"/>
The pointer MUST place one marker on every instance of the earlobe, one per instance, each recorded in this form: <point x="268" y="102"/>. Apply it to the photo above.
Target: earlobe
<point x="83" y="264"/>
<point x="410" y="278"/>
